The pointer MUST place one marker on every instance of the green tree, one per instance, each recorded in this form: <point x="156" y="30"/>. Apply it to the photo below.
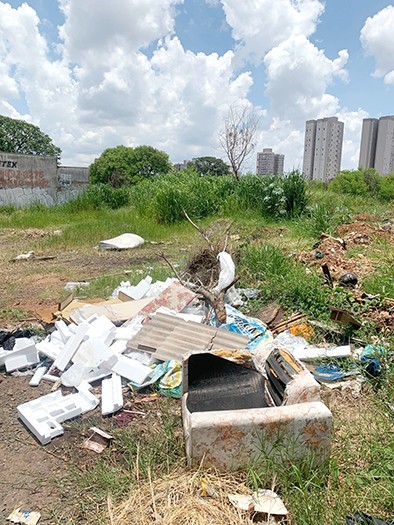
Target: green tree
<point x="210" y="166"/>
<point x="18" y="136"/>
<point x="148" y="162"/>
<point x="122" y="165"/>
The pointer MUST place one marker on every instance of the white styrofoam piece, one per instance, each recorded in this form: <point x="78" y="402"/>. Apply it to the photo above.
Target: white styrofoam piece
<point x="128" y="368"/>
<point x="50" y="377"/>
<point x="71" y="347"/>
<point x="112" y="396"/>
<point x="49" y="348"/>
<point x="141" y="289"/>
<point x="55" y="337"/>
<point x="38" y="374"/>
<point x="72" y="327"/>
<point x="23" y="355"/>
<point x="339" y="351"/>
<point x="43" y="415"/>
<point x="63" y="330"/>
<point x="77" y="373"/>
<point x="119" y="346"/>
<point x="102" y="328"/>
<point x="92" y="352"/>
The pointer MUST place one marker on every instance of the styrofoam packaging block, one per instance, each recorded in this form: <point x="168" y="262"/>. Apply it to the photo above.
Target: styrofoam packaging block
<point x="92" y="352"/>
<point x="38" y="374"/>
<point x="63" y="330"/>
<point x="128" y="368"/>
<point x="49" y="348"/>
<point x="112" y="396"/>
<point x="23" y="355"/>
<point x="71" y="347"/>
<point x="119" y="346"/>
<point x="43" y="415"/>
<point x="141" y="289"/>
<point x="102" y="328"/>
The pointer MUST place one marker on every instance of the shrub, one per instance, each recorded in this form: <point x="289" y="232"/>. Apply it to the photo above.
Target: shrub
<point x="351" y="181"/>
<point x="386" y="187"/>
<point x="294" y="190"/>
<point x="97" y="196"/>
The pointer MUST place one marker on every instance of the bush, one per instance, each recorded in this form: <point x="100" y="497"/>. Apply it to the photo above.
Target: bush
<point x="98" y="196"/>
<point x="294" y="189"/>
<point x="386" y="187"/>
<point x="351" y="181"/>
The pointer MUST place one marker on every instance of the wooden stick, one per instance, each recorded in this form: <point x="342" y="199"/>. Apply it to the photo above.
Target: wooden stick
<point x="162" y="256"/>
<point x="204" y="235"/>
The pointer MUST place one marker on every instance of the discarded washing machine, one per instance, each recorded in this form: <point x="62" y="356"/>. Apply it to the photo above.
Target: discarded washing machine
<point x="233" y="415"/>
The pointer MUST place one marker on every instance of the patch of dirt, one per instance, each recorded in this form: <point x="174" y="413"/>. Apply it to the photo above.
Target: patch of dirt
<point x="27" y="468"/>
<point x="331" y="251"/>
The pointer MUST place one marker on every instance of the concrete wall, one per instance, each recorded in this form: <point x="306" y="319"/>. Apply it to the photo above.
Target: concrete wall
<point x="25" y="179"/>
<point x="71" y="182"/>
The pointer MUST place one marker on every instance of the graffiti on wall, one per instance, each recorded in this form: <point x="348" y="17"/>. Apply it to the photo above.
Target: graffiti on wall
<point x="15" y="178"/>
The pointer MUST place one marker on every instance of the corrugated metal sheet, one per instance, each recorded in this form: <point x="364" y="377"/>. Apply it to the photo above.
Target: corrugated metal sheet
<point x="169" y="337"/>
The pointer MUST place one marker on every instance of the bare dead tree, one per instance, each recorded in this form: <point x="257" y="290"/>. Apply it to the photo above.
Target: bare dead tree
<point x="238" y="138"/>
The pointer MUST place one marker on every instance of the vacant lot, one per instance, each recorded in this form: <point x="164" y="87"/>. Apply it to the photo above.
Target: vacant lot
<point x="70" y="485"/>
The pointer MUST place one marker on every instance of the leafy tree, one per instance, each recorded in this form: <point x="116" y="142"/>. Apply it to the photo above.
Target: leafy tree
<point x="18" y="136"/>
<point x="148" y="162"/>
<point x="210" y="166"/>
<point x="238" y="138"/>
<point x="122" y="165"/>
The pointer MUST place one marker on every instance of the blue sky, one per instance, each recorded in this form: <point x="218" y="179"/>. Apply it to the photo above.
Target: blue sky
<point x="94" y="74"/>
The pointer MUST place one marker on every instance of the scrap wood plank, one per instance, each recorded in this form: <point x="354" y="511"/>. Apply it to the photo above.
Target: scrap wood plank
<point x="268" y="313"/>
<point x="288" y="323"/>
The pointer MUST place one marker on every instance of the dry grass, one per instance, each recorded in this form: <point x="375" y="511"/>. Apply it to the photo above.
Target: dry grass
<point x="182" y="498"/>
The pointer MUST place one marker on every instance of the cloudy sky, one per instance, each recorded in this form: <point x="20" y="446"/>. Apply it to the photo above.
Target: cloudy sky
<point x="97" y="73"/>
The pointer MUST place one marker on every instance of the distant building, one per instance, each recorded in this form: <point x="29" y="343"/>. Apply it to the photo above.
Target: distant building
<point x="322" y="148"/>
<point x="377" y="144"/>
<point x="179" y="166"/>
<point x="269" y="163"/>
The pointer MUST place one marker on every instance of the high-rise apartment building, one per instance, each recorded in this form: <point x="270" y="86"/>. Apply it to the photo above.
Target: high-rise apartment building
<point x="377" y="144"/>
<point x="322" y="148"/>
<point x="269" y="163"/>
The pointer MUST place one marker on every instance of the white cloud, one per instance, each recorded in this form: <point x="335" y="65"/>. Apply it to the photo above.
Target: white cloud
<point x="298" y="75"/>
<point x="259" y="26"/>
<point x="377" y="38"/>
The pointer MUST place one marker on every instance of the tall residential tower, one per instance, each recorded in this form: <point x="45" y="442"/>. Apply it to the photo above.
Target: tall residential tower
<point x="269" y="163"/>
<point x="322" y="148"/>
<point x="377" y="144"/>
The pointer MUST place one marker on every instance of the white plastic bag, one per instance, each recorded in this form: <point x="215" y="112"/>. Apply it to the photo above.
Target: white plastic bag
<point x="227" y="271"/>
